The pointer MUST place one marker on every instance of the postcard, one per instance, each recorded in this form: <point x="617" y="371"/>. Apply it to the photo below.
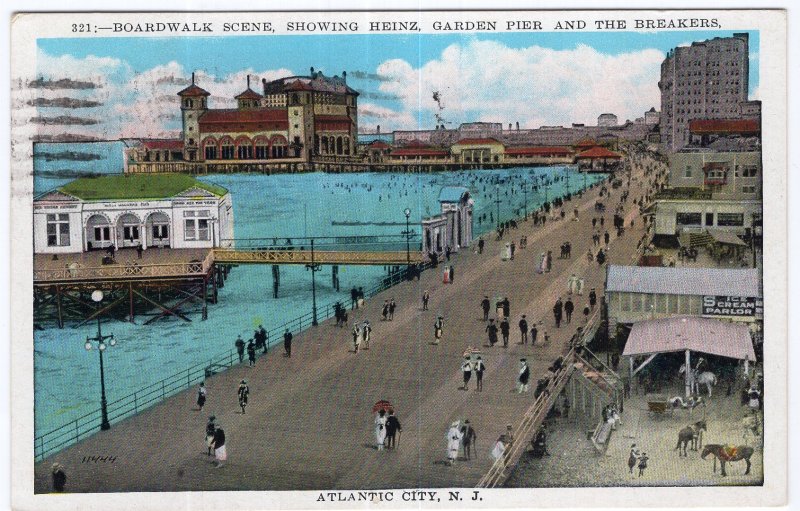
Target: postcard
<point x="398" y="259"/>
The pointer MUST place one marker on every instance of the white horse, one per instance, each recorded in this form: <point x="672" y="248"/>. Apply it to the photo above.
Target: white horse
<point x="696" y="379"/>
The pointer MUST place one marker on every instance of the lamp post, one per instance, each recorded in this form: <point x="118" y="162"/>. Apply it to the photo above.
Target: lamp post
<point x="314" y="267"/>
<point x="497" y="199"/>
<point x="97" y="297"/>
<point x="525" y="194"/>
<point x="407" y="212"/>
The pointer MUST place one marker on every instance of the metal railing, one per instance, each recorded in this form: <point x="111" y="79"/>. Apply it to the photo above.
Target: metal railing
<point x="131" y="404"/>
<point x="128" y="270"/>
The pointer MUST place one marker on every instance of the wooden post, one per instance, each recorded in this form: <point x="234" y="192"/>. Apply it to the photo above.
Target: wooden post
<point x="688" y="373"/>
<point x="205" y="297"/>
<point x="130" y="293"/>
<point x="214" y="297"/>
<point x="58" y="306"/>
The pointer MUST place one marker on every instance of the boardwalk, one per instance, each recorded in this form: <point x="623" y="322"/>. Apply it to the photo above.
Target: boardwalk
<point x="309" y="421"/>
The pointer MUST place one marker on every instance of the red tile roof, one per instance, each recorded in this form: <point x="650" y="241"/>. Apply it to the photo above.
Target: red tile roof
<point x="162" y="144"/>
<point x="739" y="126"/>
<point x="478" y="141"/>
<point x="194" y="90"/>
<point x="379" y="144"/>
<point x="234" y="120"/>
<point x="419" y="152"/>
<point x="249" y="94"/>
<point x="538" y="151"/>
<point x="586" y="143"/>
<point x="598" y="152"/>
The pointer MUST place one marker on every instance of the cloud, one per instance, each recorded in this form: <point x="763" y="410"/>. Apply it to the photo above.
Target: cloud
<point x="63" y="103"/>
<point x="63" y="83"/>
<point x="370" y="115"/>
<point x="364" y="75"/>
<point x="488" y="81"/>
<point x="64" y="120"/>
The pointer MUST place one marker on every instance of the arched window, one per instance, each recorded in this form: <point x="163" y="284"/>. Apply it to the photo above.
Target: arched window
<point x="210" y="148"/>
<point x="244" y="148"/>
<point x="262" y="147"/>
<point x="227" y="148"/>
<point x="338" y="145"/>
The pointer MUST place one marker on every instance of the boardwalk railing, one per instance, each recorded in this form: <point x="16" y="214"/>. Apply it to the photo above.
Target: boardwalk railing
<point x="131" y="404"/>
<point x="537" y="412"/>
<point x="129" y="270"/>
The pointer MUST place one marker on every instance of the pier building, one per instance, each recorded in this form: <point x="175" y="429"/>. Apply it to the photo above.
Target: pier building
<point x="165" y="211"/>
<point x="453" y="227"/>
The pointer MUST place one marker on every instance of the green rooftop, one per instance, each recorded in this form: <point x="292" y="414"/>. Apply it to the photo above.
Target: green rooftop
<point x="136" y="187"/>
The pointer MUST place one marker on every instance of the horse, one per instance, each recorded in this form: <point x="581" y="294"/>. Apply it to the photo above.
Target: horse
<point x="728" y="454"/>
<point x="692" y="433"/>
<point x="706" y="378"/>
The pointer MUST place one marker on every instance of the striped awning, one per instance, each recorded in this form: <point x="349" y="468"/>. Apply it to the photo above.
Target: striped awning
<point x="681" y="333"/>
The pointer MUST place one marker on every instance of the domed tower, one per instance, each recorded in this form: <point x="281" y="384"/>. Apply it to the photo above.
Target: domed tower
<point x="193" y="105"/>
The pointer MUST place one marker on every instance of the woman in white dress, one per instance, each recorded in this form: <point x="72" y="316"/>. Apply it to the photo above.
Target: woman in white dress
<point x="454" y="436"/>
<point x="380" y="429"/>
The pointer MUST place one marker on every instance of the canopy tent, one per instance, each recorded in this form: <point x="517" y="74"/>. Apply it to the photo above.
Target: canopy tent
<point x="727" y="238"/>
<point x="687" y="334"/>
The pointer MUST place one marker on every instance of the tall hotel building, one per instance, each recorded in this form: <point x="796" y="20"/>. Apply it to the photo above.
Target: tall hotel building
<point x="707" y="80"/>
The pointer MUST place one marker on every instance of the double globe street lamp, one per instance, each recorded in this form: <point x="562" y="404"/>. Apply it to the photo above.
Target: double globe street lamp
<point x="100" y="339"/>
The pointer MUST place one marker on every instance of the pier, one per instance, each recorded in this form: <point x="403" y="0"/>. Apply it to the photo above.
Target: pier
<point x="309" y="423"/>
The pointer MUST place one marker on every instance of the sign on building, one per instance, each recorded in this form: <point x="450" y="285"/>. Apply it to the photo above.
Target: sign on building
<point x="732" y="306"/>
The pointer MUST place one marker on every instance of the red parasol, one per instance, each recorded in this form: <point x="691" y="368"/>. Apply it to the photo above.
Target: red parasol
<point x="384" y="405"/>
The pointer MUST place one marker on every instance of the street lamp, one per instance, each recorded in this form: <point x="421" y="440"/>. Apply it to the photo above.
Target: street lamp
<point x="525" y="193"/>
<point x="100" y="339"/>
<point x="314" y="267"/>
<point x="407" y="212"/>
<point x="497" y="199"/>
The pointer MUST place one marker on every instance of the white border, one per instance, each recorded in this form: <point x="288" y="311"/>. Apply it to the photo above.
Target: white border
<point x="772" y="86"/>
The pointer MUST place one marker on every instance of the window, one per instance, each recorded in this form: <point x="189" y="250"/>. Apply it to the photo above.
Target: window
<point x="636" y="302"/>
<point x="58" y="230"/>
<point x="211" y="152"/>
<point x="130" y="232"/>
<point x="661" y="304"/>
<point x="625" y="300"/>
<point x="262" y="152"/>
<point x="227" y="152"/>
<point x="709" y="219"/>
<point x="160" y="231"/>
<point x="688" y="218"/>
<point x="688" y="171"/>
<point x="245" y="152"/>
<point x="749" y="171"/>
<point x="749" y="189"/>
<point x="730" y="219"/>
<point x="102" y="233"/>
<point x="196" y="225"/>
<point x="684" y="305"/>
<point x="672" y="304"/>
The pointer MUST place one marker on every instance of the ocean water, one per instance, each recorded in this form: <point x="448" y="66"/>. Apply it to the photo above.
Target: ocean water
<point x="264" y="207"/>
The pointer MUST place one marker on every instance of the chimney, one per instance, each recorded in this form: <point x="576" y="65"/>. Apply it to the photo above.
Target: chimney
<point x="248" y="81"/>
<point x="312" y="72"/>
<point x="344" y="76"/>
<point x="379" y="128"/>
<point x="192" y="77"/>
<point x="517" y="125"/>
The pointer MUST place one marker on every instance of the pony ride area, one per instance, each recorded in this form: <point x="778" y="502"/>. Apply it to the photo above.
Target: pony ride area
<point x="730" y="427"/>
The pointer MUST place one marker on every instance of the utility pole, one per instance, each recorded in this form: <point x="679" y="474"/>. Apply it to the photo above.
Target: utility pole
<point x="497" y="199"/>
<point x="314" y="268"/>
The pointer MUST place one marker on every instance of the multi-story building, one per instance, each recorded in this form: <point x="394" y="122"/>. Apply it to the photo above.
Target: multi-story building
<point x="607" y="120"/>
<point x="710" y="191"/>
<point x="296" y="119"/>
<point x="707" y="80"/>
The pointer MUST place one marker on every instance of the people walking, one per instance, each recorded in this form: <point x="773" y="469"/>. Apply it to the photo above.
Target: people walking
<point x="446" y="275"/>
<point x="380" y="429"/>
<point x="263" y="337"/>
<point x="592" y="298"/>
<point x="569" y="307"/>
<point x="643" y="459"/>
<point x="353" y="298"/>
<point x="480" y="367"/>
<point x="210" y="430"/>
<point x="486" y="305"/>
<point x="513" y="250"/>
<point x="201" y="396"/>
<point x="287" y="342"/>
<point x="356" y="337"/>
<point x="59" y="477"/>
<point x="366" y="334"/>
<point x="633" y="458"/>
<point x="506" y="308"/>
<point x="385" y="311"/>
<point x="534" y="333"/>
<point x="480" y="246"/>
<point x="606" y="238"/>
<point x="453" y="442"/>
<point x="251" y="353"/>
<point x="438" y="330"/>
<point x="392" y="307"/>
<point x="468" y="439"/>
<point x="220" y="451"/>
<point x="392" y="429"/>
<point x="452" y="273"/>
<point x="557" y="312"/>
<point x="572" y="284"/>
<point x="466" y="372"/>
<point x="523" y="378"/>
<point x="240" y="348"/>
<point x="425" y="297"/>
<point x="491" y="329"/>
<point x="505" y="330"/>
<point x="244" y="393"/>
<point x="523" y="330"/>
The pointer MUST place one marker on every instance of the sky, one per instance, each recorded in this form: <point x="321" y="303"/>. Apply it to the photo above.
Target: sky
<point x="128" y="85"/>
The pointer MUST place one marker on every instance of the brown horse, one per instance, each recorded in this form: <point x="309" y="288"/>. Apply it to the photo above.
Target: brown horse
<point x="728" y="454"/>
<point x="692" y="433"/>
